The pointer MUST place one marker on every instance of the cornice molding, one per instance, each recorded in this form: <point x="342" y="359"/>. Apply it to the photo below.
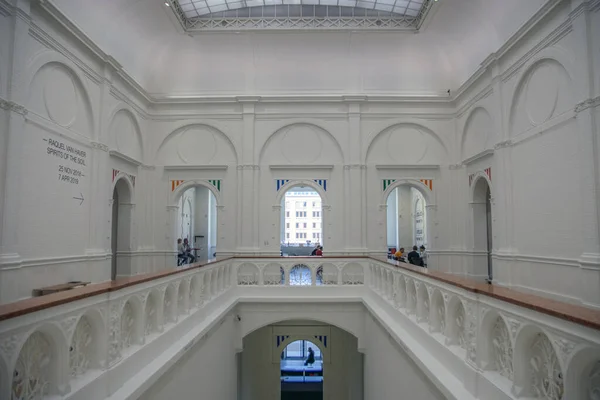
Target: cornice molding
<point x="300" y="166"/>
<point x="6" y="9"/>
<point x="100" y="146"/>
<point x="354" y="166"/>
<point x="251" y="167"/>
<point x="406" y="166"/>
<point x="124" y="157"/>
<point x="12" y="106"/>
<point x="504" y="144"/>
<point x="195" y="167"/>
<point x="478" y="156"/>
<point x="589" y="103"/>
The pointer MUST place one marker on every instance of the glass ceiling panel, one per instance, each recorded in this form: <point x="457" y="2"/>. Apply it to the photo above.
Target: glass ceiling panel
<point x="196" y="8"/>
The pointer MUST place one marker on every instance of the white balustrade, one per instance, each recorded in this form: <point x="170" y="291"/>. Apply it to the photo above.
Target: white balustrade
<point x="522" y="353"/>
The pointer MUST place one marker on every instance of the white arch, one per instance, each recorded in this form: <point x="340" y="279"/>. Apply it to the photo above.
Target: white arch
<point x="136" y="124"/>
<point x="187" y="125"/>
<point x="287" y="124"/>
<point x="409" y="123"/>
<point x="480" y="175"/>
<point x="467" y="125"/>
<point x="301" y="182"/>
<point x="420" y="186"/>
<point x="46" y="57"/>
<point x="550" y="53"/>
<point x="127" y="179"/>
<point x="176" y="194"/>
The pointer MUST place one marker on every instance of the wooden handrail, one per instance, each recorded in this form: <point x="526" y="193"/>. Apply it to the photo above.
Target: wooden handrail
<point x="571" y="312"/>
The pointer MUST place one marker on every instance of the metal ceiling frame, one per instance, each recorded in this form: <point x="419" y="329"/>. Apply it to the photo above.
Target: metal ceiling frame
<point x="287" y="18"/>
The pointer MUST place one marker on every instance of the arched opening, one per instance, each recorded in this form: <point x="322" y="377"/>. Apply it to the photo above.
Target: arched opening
<point x="301" y="371"/>
<point x="196" y="227"/>
<point x="482" y="229"/>
<point x="407" y="221"/>
<point x="122" y="210"/>
<point x="301" y="221"/>
<point x="275" y="362"/>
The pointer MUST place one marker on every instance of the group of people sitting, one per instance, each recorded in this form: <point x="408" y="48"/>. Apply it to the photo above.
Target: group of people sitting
<point x="317" y="251"/>
<point x="415" y="257"/>
<point x="184" y="252"/>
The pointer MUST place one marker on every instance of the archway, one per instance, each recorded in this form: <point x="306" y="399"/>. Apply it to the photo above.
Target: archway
<point x="273" y="356"/>
<point x="122" y="210"/>
<point x="301" y="369"/>
<point x="196" y="221"/>
<point x="482" y="228"/>
<point x="406" y="217"/>
<point x="301" y="225"/>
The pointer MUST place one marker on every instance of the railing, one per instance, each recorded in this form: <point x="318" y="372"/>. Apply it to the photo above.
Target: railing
<point x="497" y="343"/>
<point x="500" y="343"/>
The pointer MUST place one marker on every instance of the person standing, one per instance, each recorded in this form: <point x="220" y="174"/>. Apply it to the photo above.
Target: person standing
<point x="423" y="254"/>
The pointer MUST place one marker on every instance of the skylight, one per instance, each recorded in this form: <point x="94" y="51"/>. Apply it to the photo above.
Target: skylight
<point x="238" y="15"/>
<point x="196" y="8"/>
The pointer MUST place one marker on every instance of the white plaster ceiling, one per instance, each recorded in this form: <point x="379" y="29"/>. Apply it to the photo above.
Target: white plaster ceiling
<point x="143" y="37"/>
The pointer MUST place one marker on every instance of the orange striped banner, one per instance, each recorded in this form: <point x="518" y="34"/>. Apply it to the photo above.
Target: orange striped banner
<point x="428" y="183"/>
<point x="175" y="184"/>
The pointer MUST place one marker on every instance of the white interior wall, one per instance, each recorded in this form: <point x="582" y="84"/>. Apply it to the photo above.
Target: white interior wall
<point x="207" y="371"/>
<point x="388" y="372"/>
<point x="531" y="117"/>
<point x="342" y="369"/>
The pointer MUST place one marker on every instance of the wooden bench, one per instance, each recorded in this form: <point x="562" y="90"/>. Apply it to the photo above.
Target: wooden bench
<point x="58" y="288"/>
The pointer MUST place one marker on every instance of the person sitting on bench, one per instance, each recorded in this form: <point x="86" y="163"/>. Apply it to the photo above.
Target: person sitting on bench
<point x="188" y="251"/>
<point x="181" y="256"/>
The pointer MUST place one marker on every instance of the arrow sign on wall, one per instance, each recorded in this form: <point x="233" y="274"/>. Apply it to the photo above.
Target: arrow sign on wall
<point x="79" y="198"/>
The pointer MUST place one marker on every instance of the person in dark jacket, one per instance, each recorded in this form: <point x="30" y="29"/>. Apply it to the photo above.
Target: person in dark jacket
<point x="311" y="357"/>
<point x="414" y="257"/>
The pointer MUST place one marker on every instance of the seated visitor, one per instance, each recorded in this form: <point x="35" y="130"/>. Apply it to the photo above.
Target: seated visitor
<point x="319" y="251"/>
<point x="423" y="254"/>
<point x="400" y="254"/>
<point x="188" y="251"/>
<point x="314" y="252"/>
<point x="181" y="257"/>
<point x="414" y="257"/>
<point x="311" y="357"/>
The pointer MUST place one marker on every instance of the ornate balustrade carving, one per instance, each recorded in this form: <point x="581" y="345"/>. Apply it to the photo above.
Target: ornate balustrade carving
<point x="522" y="352"/>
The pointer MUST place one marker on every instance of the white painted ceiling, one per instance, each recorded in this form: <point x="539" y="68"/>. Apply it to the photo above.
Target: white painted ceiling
<point x="143" y="37"/>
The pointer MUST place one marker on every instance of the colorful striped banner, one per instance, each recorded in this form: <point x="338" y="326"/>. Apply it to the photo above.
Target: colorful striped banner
<point x="115" y="173"/>
<point x="387" y="183"/>
<point x="175" y="184"/>
<point x="488" y="172"/>
<point x="322" y="183"/>
<point x="428" y="183"/>
<point x="281" y="182"/>
<point x="216" y="183"/>
<point x="471" y="179"/>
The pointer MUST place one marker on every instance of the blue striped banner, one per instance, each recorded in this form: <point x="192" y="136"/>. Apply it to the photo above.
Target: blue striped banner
<point x="281" y="339"/>
<point x="281" y="182"/>
<point x="322" y="183"/>
<point x="387" y="183"/>
<point x="322" y="339"/>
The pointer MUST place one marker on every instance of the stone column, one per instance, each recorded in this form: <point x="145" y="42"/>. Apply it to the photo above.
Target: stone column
<point x="248" y="177"/>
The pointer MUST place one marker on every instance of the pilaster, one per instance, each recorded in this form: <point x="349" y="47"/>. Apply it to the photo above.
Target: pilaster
<point x="12" y="140"/>
<point x="589" y="148"/>
<point x="248" y="177"/>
